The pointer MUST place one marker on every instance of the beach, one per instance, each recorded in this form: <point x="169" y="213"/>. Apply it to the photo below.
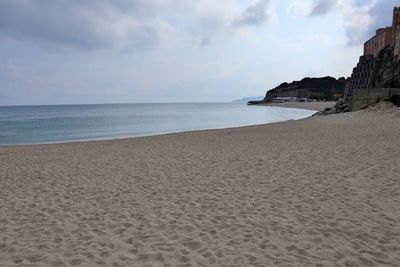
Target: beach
<point x="319" y="106"/>
<point x="321" y="191"/>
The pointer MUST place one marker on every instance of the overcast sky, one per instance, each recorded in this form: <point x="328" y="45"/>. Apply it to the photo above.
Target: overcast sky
<point x="124" y="51"/>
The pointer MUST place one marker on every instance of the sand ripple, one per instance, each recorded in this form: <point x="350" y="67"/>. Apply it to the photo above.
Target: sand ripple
<point x="318" y="192"/>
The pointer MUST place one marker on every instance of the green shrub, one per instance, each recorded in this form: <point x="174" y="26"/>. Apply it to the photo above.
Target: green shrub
<point x="395" y="99"/>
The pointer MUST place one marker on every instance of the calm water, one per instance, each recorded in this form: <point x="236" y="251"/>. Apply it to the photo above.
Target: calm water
<point x="63" y="123"/>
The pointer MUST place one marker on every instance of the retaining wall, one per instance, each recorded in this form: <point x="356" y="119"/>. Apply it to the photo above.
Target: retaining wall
<point x="368" y="96"/>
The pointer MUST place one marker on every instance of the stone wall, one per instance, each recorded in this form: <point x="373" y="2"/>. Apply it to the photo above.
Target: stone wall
<point x="397" y="43"/>
<point x="385" y="37"/>
<point x="371" y="73"/>
<point x="366" y="97"/>
<point x="396" y="21"/>
<point x="382" y="39"/>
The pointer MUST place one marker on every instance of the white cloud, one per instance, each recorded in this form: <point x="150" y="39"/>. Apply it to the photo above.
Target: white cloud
<point x="300" y="8"/>
<point x="356" y="22"/>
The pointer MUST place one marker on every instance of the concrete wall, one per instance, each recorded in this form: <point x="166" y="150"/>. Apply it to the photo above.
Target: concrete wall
<point x="362" y="75"/>
<point x="368" y="96"/>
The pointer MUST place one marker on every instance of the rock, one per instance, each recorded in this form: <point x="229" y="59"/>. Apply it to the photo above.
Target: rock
<point x="327" y="88"/>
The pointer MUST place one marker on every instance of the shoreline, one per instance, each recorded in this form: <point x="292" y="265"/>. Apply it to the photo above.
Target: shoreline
<point x="303" y="107"/>
<point x="320" y="190"/>
<point x="318" y="106"/>
<point x="127" y="138"/>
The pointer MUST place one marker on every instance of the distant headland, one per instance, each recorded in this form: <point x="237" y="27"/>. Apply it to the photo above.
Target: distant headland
<point x="324" y="88"/>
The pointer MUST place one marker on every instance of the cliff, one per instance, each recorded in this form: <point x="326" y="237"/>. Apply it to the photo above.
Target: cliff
<point x="374" y="79"/>
<point x="377" y="74"/>
<point x="387" y="70"/>
<point x="327" y="88"/>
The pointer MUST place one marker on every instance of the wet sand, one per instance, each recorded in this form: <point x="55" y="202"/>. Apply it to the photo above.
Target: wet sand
<point x="323" y="191"/>
<point x="319" y="106"/>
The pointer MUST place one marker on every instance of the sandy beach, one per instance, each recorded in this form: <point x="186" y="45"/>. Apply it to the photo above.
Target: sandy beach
<point x="322" y="191"/>
<point x="319" y="106"/>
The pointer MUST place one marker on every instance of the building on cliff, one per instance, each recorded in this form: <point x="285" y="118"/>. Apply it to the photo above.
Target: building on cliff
<point x="382" y="39"/>
<point x="385" y="37"/>
<point x="397" y="43"/>
<point x="377" y="74"/>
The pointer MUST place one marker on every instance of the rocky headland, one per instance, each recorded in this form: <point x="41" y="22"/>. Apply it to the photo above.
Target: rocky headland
<point x="324" y="88"/>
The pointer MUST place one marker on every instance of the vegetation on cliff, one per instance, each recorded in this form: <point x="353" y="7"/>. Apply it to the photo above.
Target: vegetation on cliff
<point x="386" y="71"/>
<point x="395" y="99"/>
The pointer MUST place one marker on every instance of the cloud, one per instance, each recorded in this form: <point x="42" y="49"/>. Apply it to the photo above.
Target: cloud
<point x="381" y="14"/>
<point x="84" y="25"/>
<point x="323" y="7"/>
<point x="363" y="18"/>
<point x="356" y="22"/>
<point x="360" y="18"/>
<point x="123" y="24"/>
<point x="255" y="14"/>
<point x="300" y="8"/>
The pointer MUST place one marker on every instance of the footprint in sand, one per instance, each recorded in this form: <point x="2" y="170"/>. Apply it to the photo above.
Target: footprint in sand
<point x="192" y="245"/>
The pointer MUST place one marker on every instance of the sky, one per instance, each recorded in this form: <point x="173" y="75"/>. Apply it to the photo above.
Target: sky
<point x="141" y="51"/>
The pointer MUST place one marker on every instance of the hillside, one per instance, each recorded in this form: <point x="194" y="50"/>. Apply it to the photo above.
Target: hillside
<point x="327" y="88"/>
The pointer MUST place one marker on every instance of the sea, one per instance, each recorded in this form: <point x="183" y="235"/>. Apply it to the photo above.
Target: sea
<point x="67" y="123"/>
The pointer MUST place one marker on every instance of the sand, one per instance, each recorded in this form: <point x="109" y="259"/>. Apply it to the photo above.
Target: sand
<point x="323" y="191"/>
<point x="319" y="106"/>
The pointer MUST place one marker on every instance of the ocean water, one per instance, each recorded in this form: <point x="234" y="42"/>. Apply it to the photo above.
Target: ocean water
<point x="65" y="123"/>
